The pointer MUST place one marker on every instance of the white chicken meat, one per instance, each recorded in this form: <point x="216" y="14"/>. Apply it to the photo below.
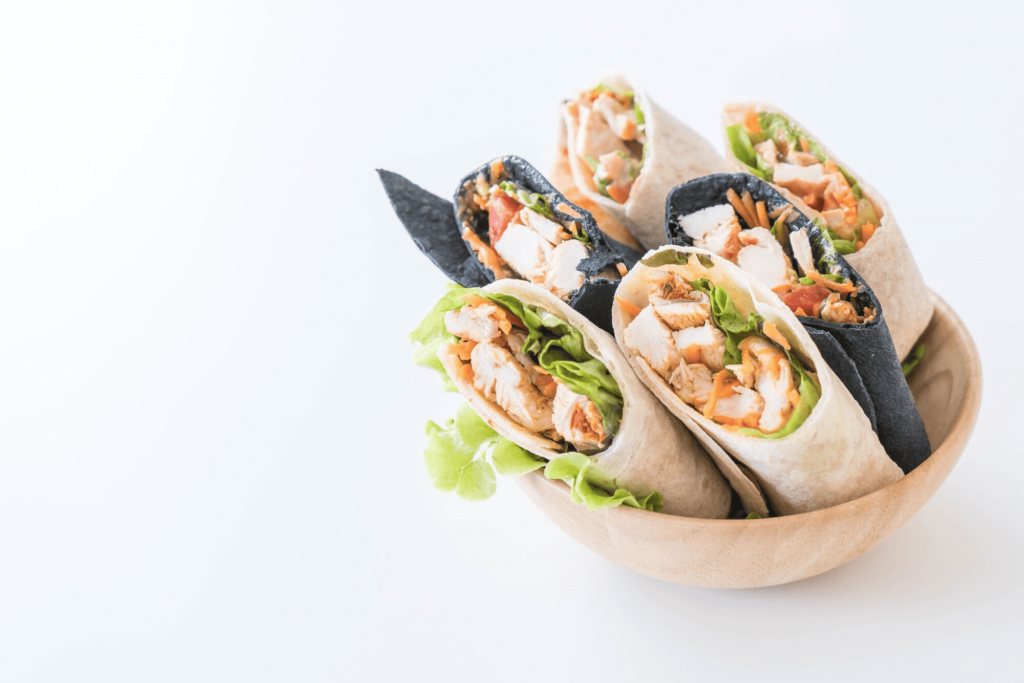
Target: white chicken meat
<point x="500" y="378"/>
<point x="648" y="336"/>
<point x="578" y="421"/>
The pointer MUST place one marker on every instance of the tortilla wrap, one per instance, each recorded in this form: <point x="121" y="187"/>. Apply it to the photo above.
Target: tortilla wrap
<point x="652" y="451"/>
<point x="833" y="457"/>
<point x="437" y="228"/>
<point x="675" y="154"/>
<point x="860" y="354"/>
<point x="885" y="261"/>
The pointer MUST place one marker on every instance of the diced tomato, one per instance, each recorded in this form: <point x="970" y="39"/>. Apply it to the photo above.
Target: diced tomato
<point x="807" y="297"/>
<point x="500" y="210"/>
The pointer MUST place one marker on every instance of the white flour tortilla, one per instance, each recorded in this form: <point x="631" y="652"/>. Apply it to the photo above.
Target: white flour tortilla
<point x="833" y="457"/>
<point x="652" y="450"/>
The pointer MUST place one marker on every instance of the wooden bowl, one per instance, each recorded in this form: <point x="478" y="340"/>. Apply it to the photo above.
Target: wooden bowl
<point x="768" y="552"/>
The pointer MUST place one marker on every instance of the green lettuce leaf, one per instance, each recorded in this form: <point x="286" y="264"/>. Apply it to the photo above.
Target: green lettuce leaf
<point x="743" y="150"/>
<point x="844" y="246"/>
<point x="512" y="461"/>
<point x="829" y="260"/>
<point x="454" y="465"/>
<point x="431" y="333"/>
<point x="531" y="200"/>
<point x="572" y="469"/>
<point x="753" y="515"/>
<point x="675" y="258"/>
<point x="913" y="361"/>
<point x="461" y="456"/>
<point x="728" y="319"/>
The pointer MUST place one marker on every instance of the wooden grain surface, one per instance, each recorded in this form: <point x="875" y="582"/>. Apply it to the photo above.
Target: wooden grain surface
<point x="767" y="552"/>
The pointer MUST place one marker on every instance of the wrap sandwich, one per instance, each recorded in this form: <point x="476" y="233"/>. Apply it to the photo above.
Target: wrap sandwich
<point x="745" y="220"/>
<point x="769" y="144"/>
<point x="508" y="221"/>
<point x="563" y="397"/>
<point x="625" y="153"/>
<point x="724" y="354"/>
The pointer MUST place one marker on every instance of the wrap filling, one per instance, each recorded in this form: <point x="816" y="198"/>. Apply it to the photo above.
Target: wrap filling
<point x="610" y="138"/>
<point x="535" y="367"/>
<point x="781" y="259"/>
<point x="737" y="371"/>
<point x="524" y="239"/>
<point x="770" y="147"/>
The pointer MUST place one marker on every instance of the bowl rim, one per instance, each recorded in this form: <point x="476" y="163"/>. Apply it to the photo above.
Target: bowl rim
<point x="959" y="433"/>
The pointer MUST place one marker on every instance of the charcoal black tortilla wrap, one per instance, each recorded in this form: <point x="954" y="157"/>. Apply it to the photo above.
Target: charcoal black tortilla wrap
<point x="885" y="260"/>
<point x="651" y="451"/>
<point x="674" y="153"/>
<point x="831" y="457"/>
<point x="861" y="354"/>
<point x="438" y="228"/>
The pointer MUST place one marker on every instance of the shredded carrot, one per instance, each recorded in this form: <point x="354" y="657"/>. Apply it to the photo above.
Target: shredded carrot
<point x="749" y="421"/>
<point x="691" y="354"/>
<point x="621" y="267"/>
<point x="618" y="192"/>
<point x="465" y="373"/>
<point x="803" y="145"/>
<point x="813" y="200"/>
<point x="773" y="333"/>
<point x="474" y="300"/>
<point x="842" y="288"/>
<point x="497" y="170"/>
<point x="628" y="307"/>
<point x="748" y="201"/>
<point x="762" y="216"/>
<point x="463" y="349"/>
<point x="547" y="385"/>
<point x="487" y="256"/>
<point x="783" y="289"/>
<point x="716" y="386"/>
<point x="509" y="317"/>
<point x="858" y="245"/>
<point x="752" y="122"/>
<point x="734" y="199"/>
<point x="800" y="311"/>
<point x="867" y="231"/>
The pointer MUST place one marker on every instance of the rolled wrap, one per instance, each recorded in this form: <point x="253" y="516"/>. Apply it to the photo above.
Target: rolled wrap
<point x="833" y="457"/>
<point x="675" y="154"/>
<point x="861" y="354"/>
<point x="436" y="225"/>
<point x="885" y="261"/>
<point x="652" y="451"/>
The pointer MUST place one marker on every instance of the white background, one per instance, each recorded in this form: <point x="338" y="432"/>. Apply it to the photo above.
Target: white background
<point x="210" y="431"/>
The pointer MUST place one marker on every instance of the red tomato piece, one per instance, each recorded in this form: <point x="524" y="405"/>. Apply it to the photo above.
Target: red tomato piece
<point x="807" y="297"/>
<point x="500" y="210"/>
